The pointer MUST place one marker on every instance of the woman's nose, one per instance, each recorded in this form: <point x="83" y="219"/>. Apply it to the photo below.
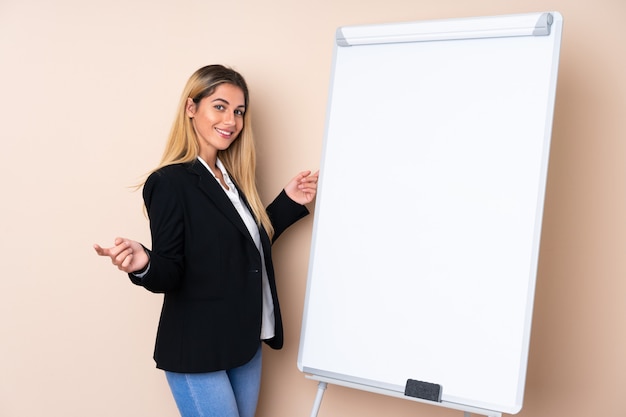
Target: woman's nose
<point x="229" y="118"/>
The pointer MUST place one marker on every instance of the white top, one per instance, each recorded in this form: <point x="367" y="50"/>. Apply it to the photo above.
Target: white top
<point x="267" y="324"/>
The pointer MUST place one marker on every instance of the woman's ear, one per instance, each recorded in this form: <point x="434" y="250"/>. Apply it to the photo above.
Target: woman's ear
<point x="190" y="108"/>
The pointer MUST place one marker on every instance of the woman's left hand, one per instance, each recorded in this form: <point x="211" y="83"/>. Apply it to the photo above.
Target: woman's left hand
<point x="303" y="187"/>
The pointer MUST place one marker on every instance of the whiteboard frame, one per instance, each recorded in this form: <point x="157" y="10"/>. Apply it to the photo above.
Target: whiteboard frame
<point x="534" y="24"/>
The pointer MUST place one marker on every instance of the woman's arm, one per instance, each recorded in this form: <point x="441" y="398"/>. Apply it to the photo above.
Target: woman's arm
<point x="164" y="206"/>
<point x="289" y="207"/>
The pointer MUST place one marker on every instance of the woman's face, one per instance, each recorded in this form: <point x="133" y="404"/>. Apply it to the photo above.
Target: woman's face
<point x="217" y="119"/>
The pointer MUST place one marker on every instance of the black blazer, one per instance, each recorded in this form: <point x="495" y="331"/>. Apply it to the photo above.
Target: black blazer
<point x="205" y="262"/>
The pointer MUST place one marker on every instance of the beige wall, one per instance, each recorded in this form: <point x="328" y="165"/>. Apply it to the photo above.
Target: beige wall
<point x="87" y="93"/>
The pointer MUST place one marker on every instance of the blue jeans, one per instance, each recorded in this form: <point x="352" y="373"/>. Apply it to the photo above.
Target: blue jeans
<point x="230" y="393"/>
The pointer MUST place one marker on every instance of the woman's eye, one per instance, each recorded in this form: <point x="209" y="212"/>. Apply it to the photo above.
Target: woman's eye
<point x="219" y="107"/>
<point x="239" y="112"/>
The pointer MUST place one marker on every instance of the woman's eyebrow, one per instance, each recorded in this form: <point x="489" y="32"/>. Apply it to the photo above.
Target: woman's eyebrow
<point x="226" y="102"/>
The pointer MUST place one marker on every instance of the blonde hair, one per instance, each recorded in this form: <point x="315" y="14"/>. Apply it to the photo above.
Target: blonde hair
<point x="240" y="157"/>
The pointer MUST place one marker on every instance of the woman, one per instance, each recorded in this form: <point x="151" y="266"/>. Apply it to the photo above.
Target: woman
<point x="211" y="250"/>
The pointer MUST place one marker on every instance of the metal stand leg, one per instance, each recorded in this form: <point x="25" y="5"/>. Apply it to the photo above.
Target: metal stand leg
<point x="321" y="387"/>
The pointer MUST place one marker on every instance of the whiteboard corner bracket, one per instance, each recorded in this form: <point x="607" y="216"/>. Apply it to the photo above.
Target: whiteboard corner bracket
<point x="543" y="25"/>
<point x="340" y="38"/>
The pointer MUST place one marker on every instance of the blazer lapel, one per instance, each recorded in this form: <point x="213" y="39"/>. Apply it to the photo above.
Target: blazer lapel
<point x="210" y="187"/>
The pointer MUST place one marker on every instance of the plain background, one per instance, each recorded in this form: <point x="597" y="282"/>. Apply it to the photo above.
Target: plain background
<point x="88" y="90"/>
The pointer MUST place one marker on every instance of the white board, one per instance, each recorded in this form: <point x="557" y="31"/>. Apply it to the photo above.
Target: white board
<point x="428" y="217"/>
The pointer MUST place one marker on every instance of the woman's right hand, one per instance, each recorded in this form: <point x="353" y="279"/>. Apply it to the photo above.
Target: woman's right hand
<point x="128" y="255"/>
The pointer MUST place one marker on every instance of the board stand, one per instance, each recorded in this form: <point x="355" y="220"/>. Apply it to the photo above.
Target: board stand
<point x="321" y="387"/>
<point x="324" y="381"/>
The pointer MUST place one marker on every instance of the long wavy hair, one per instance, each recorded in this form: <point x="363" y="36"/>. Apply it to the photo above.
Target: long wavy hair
<point x="239" y="158"/>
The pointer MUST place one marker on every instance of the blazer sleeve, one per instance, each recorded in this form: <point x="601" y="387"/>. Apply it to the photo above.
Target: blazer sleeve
<point x="165" y="211"/>
<point x="283" y="212"/>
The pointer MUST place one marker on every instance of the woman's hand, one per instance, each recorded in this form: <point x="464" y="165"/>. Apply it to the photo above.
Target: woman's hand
<point x="127" y="255"/>
<point x="303" y="187"/>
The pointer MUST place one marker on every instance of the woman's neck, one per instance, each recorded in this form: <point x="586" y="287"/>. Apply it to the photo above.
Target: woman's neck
<point x="210" y="159"/>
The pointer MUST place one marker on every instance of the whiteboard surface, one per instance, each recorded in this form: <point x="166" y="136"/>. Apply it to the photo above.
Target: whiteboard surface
<point x="428" y="219"/>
